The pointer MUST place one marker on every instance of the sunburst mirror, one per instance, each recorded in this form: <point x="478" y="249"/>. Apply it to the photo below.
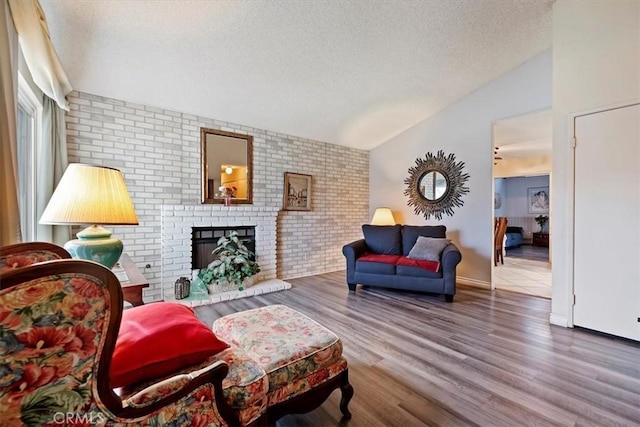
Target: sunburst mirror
<point x="436" y="185"/>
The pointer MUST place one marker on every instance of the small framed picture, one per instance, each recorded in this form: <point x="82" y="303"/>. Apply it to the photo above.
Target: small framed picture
<point x="538" y="200"/>
<point x="297" y="192"/>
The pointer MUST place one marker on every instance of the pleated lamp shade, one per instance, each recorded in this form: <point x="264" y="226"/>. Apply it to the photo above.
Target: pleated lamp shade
<point x="92" y="195"/>
<point x="89" y="194"/>
<point x="383" y="216"/>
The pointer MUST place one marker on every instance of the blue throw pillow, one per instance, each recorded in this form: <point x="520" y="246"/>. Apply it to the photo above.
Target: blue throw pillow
<point x="383" y="239"/>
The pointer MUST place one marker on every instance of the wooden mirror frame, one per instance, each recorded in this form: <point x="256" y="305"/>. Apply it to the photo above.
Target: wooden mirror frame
<point x="207" y="198"/>
<point x="452" y="172"/>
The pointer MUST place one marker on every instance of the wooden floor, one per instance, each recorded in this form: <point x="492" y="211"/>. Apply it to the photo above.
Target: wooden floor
<point x="489" y="358"/>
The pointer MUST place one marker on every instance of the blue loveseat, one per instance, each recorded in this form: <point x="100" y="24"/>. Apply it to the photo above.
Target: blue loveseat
<point x="380" y="259"/>
<point x="515" y="237"/>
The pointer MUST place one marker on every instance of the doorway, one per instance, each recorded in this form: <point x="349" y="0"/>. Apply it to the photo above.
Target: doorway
<point x="522" y="149"/>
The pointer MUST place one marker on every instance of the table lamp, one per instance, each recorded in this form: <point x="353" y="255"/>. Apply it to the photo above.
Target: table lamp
<point x="91" y="195"/>
<point x="383" y="216"/>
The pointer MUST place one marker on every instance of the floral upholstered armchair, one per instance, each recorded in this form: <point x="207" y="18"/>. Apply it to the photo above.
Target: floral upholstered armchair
<point x="58" y="326"/>
<point x="24" y="254"/>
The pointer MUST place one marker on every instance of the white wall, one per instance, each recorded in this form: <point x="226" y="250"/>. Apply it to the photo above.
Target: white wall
<point x="463" y="128"/>
<point x="596" y="63"/>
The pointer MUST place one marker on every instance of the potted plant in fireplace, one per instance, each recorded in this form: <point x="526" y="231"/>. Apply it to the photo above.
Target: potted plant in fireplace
<point x="233" y="269"/>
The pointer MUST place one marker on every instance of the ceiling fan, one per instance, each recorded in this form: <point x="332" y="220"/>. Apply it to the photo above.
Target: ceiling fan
<point x="495" y="155"/>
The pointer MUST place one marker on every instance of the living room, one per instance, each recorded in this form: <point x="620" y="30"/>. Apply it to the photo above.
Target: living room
<point x="141" y="97"/>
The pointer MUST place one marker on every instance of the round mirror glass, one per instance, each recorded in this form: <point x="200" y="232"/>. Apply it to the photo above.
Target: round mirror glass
<point x="432" y="185"/>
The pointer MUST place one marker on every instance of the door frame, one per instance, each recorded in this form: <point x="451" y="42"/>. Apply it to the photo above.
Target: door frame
<point x="494" y="123"/>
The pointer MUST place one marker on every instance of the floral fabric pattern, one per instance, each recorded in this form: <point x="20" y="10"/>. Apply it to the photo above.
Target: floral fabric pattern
<point x="295" y="388"/>
<point x="288" y="345"/>
<point x="49" y="336"/>
<point x="13" y="261"/>
<point x="196" y="409"/>
<point x="52" y="331"/>
<point x="157" y="391"/>
<point x="245" y="386"/>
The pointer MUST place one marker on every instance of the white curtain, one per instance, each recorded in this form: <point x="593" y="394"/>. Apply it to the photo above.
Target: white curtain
<point x="9" y="213"/>
<point x="38" y="50"/>
<point x="52" y="162"/>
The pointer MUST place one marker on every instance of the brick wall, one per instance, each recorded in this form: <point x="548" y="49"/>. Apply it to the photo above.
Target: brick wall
<point x="158" y="151"/>
<point x="178" y="221"/>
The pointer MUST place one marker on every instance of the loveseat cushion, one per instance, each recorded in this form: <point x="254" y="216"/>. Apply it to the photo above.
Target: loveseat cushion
<point x="415" y="271"/>
<point x="383" y="239"/>
<point x="387" y="259"/>
<point x="410" y="235"/>
<point x="377" y="264"/>
<point x="376" y="267"/>
<point x="433" y="266"/>
<point x="288" y="345"/>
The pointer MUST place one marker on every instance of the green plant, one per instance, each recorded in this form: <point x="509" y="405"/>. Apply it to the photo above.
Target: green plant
<point x="234" y="263"/>
<point x="542" y="220"/>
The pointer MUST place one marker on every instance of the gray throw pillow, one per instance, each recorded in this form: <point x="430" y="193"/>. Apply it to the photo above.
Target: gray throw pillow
<point x="428" y="248"/>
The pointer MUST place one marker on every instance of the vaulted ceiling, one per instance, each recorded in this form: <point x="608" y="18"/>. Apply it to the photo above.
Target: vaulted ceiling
<point x="354" y="73"/>
<point x="528" y="135"/>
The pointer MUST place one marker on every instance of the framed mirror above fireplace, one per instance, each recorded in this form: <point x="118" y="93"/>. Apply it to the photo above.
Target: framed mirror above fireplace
<point x="226" y="167"/>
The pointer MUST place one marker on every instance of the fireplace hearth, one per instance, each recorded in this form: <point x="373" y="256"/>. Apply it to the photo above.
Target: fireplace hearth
<point x="178" y="223"/>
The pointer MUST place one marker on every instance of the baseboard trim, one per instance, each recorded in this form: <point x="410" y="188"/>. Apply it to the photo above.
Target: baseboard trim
<point x="559" y="320"/>
<point x="473" y="282"/>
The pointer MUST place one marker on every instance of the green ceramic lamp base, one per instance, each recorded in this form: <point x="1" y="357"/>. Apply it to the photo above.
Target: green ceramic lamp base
<point x="95" y="243"/>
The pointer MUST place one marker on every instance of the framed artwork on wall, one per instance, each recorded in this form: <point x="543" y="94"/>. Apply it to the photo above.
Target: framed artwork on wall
<point x="538" y="200"/>
<point x="297" y="192"/>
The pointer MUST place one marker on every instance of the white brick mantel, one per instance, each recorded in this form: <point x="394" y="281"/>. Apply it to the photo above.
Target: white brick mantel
<point x="177" y="222"/>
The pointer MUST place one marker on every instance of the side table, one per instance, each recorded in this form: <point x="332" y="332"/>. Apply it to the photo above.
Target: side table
<point x="131" y="280"/>
<point x="540" y="239"/>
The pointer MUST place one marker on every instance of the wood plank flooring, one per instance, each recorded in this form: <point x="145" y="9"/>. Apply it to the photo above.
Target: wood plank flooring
<point x="488" y="359"/>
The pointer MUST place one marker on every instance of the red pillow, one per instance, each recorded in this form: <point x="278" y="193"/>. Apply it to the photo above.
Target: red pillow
<point x="158" y="339"/>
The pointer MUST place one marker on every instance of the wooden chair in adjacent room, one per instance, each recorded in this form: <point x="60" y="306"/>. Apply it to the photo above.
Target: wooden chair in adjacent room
<point x="498" y="240"/>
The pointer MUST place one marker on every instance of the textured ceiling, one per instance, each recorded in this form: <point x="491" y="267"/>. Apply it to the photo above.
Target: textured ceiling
<point x="355" y="73"/>
<point x="524" y="136"/>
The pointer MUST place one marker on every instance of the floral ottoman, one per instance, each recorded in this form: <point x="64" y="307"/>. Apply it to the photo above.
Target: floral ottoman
<point x="301" y="358"/>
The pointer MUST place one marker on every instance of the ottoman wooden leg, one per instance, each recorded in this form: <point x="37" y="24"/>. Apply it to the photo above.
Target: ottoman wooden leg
<point x="347" y="394"/>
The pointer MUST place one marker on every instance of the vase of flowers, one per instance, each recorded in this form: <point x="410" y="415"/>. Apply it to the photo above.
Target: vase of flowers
<point x="227" y="194"/>
<point x="542" y="221"/>
<point x="234" y="268"/>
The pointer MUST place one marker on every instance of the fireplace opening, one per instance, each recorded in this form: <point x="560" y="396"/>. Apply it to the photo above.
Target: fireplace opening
<point x="205" y="239"/>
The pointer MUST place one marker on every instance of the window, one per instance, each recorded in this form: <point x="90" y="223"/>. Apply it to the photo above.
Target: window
<point x="28" y="132"/>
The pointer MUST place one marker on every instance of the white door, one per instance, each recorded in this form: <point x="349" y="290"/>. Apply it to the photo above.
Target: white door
<point x="607" y="222"/>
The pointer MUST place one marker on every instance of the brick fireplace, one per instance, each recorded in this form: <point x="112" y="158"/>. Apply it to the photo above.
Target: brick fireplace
<point x="178" y="221"/>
